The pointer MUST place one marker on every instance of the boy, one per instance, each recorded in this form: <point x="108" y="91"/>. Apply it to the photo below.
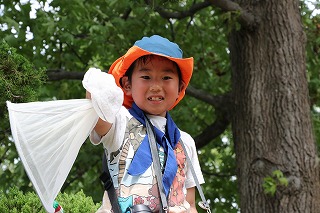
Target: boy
<point x="153" y="77"/>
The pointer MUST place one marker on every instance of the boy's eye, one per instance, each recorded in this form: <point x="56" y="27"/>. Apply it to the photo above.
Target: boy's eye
<point x="167" y="78"/>
<point x="145" y="77"/>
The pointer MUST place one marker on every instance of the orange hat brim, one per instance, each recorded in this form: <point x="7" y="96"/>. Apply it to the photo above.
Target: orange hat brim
<point x="122" y="64"/>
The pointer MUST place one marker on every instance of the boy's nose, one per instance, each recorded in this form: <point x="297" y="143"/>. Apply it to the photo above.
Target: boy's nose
<point x="155" y="87"/>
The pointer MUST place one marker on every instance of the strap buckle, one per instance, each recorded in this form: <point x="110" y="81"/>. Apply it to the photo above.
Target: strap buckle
<point x="205" y="205"/>
<point x="165" y="209"/>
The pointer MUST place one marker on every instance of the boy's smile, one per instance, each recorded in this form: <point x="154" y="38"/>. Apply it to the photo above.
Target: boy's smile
<point x="155" y="85"/>
<point x="155" y="98"/>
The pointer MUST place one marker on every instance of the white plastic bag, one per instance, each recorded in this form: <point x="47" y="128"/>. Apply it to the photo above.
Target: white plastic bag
<point x="107" y="97"/>
<point x="48" y="136"/>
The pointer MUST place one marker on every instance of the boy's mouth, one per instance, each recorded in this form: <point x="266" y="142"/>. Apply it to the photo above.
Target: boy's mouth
<point x="155" y="98"/>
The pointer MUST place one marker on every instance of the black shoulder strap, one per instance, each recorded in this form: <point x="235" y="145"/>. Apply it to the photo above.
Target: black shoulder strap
<point x="105" y="177"/>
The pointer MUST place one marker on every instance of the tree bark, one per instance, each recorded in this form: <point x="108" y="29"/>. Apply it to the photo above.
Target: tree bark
<point x="272" y="126"/>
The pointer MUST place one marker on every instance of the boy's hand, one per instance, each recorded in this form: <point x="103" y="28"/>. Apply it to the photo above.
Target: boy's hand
<point x="106" y="96"/>
<point x="102" y="127"/>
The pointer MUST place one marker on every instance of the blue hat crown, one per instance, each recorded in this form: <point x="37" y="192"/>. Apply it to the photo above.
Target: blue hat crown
<point x="159" y="45"/>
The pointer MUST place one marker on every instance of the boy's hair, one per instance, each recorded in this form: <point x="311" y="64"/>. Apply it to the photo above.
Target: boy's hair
<point x="145" y="59"/>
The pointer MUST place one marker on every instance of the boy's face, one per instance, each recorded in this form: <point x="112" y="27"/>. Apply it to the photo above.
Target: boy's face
<point x="154" y="85"/>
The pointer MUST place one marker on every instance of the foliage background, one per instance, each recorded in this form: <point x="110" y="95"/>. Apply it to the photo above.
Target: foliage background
<point x="71" y="36"/>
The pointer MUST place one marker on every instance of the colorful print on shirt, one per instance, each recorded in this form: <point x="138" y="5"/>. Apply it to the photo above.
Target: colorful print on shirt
<point x="143" y="189"/>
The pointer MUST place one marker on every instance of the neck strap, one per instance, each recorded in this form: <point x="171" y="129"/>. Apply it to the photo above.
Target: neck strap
<point x="156" y="164"/>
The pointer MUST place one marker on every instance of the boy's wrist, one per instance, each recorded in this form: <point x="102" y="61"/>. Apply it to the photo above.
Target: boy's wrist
<point x="88" y="95"/>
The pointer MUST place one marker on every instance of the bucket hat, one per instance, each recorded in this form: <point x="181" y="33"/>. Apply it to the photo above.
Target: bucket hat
<point x="155" y="45"/>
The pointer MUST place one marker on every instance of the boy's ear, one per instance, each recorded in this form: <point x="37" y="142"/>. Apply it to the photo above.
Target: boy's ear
<point x="182" y="86"/>
<point x="126" y="85"/>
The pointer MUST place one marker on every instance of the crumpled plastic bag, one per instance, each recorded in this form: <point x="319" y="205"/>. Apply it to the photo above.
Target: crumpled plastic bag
<point x="107" y="97"/>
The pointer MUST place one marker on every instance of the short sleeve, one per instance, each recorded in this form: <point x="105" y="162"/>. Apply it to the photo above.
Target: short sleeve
<point x="192" y="153"/>
<point x="113" y="140"/>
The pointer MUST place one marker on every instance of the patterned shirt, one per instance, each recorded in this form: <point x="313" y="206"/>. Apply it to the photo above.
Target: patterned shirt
<point x="143" y="188"/>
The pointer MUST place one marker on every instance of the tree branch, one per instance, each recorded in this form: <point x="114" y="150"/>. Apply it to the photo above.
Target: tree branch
<point x="126" y="14"/>
<point x="246" y="19"/>
<point x="180" y="14"/>
<point x="3" y="157"/>
<point x="220" y="102"/>
<point x="220" y="175"/>
<point x="211" y="132"/>
<point x="59" y="74"/>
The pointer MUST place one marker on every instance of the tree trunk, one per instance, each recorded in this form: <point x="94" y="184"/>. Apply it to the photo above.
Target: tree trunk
<point x="272" y="126"/>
